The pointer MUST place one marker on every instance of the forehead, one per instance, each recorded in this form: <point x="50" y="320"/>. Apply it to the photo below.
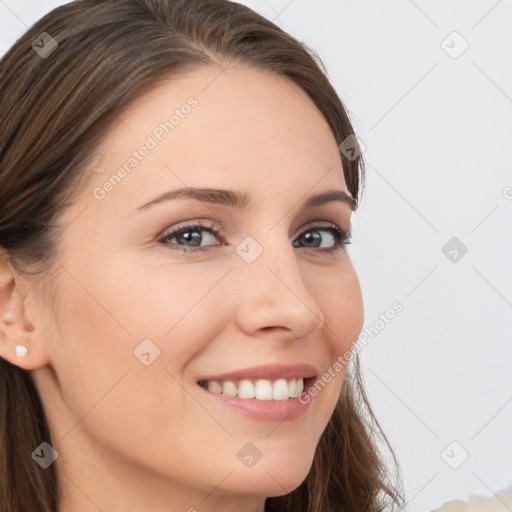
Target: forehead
<point x="237" y="128"/>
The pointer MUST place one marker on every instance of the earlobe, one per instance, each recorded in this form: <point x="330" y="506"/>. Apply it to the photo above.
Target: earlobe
<point x="21" y="351"/>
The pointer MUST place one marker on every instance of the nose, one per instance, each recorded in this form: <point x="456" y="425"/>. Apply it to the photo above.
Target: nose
<point x="274" y="297"/>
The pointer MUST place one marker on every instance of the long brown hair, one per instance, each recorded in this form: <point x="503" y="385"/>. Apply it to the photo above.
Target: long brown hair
<point x="55" y="108"/>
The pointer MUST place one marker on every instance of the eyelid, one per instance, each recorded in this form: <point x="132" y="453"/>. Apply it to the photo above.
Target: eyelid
<point x="215" y="226"/>
<point x="328" y="224"/>
<point x="186" y="224"/>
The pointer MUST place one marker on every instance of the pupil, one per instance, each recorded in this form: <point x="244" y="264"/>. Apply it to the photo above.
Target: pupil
<point x="196" y="238"/>
<point x="310" y="236"/>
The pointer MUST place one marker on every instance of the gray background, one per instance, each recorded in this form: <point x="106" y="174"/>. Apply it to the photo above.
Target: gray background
<point x="436" y="123"/>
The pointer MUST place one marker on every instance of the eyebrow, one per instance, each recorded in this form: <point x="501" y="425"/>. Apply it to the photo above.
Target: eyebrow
<point x="242" y="200"/>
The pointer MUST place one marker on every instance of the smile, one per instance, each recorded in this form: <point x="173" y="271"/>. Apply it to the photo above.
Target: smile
<point x="266" y="393"/>
<point x="261" y="389"/>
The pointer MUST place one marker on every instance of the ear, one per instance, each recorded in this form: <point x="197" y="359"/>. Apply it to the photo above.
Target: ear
<point x="17" y="326"/>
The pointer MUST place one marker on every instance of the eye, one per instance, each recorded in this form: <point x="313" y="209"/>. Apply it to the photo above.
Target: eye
<point x="337" y="238"/>
<point x="189" y="233"/>
<point x="310" y="236"/>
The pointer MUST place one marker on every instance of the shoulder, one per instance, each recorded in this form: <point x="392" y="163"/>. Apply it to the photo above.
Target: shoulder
<point x="500" y="502"/>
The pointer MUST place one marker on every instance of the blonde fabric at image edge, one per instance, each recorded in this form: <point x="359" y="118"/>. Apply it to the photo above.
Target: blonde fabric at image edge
<point x="501" y="502"/>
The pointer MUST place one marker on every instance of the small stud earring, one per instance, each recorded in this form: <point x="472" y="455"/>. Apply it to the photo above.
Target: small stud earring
<point x="21" y="351"/>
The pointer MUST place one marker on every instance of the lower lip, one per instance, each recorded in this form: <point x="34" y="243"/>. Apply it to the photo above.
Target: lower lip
<point x="264" y="410"/>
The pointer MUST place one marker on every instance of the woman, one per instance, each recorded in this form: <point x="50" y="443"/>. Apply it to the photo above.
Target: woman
<point x="177" y="304"/>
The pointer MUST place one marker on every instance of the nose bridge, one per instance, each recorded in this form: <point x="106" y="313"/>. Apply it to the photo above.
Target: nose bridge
<point x="275" y="294"/>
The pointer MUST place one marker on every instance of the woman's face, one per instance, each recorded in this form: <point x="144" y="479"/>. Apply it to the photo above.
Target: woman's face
<point x="139" y="320"/>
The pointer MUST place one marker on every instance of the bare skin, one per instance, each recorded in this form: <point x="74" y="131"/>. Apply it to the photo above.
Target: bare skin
<point x="132" y="437"/>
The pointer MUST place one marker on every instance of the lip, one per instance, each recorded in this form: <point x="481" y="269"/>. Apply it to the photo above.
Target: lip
<point x="276" y="411"/>
<point x="268" y="371"/>
<point x="264" y="410"/>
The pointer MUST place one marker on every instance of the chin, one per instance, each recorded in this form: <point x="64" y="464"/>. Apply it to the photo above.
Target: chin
<point x="278" y="475"/>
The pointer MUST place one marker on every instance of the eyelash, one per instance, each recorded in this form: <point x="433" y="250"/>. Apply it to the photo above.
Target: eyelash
<point x="341" y="237"/>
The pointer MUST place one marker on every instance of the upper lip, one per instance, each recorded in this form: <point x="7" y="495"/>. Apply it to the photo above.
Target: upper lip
<point x="268" y="371"/>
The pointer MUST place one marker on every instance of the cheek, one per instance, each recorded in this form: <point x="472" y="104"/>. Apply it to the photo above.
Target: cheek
<point x="340" y="301"/>
<point x="110" y="317"/>
<point x="115" y="317"/>
<point x="94" y="348"/>
<point x="342" y="306"/>
<point x="104" y="385"/>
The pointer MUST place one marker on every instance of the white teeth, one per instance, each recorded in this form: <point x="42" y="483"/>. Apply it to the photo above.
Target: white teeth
<point x="214" y="387"/>
<point x="296" y="388"/>
<point x="291" y="388"/>
<point x="246" y="389"/>
<point x="261" y="389"/>
<point x="229" y="388"/>
<point x="280" y="390"/>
